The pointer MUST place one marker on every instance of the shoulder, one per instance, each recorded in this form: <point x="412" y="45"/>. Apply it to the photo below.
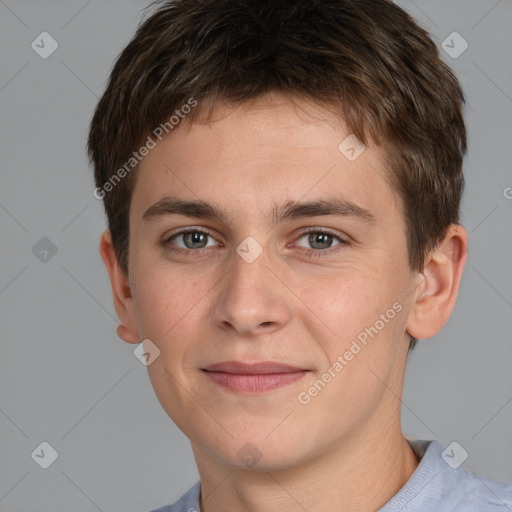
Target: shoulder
<point x="189" y="502"/>
<point x="474" y="493"/>
<point x="471" y="492"/>
<point x="441" y="483"/>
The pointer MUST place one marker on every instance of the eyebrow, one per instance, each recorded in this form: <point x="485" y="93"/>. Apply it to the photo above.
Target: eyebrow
<point x="199" y="209"/>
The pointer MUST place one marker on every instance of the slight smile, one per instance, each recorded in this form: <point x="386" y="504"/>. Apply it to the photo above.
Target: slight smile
<point x="253" y="377"/>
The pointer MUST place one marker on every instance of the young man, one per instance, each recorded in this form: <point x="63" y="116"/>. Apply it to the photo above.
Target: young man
<point x="282" y="184"/>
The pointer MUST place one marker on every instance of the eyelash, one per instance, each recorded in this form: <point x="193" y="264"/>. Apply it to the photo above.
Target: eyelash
<point x="309" y="252"/>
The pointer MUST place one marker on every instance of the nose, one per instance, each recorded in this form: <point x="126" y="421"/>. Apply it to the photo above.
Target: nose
<point x="251" y="298"/>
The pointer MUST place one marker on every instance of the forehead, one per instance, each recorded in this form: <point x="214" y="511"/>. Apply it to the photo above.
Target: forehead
<point x="263" y="153"/>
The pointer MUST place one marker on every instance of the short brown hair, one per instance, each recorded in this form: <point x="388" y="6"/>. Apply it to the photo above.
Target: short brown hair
<point x="366" y="58"/>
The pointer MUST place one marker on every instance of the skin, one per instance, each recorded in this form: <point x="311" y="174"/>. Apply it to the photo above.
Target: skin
<point x="344" y="450"/>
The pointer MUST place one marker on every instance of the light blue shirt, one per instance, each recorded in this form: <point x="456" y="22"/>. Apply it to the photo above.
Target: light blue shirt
<point x="435" y="486"/>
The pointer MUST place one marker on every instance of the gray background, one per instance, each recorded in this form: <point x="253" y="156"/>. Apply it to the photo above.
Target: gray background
<point x="65" y="377"/>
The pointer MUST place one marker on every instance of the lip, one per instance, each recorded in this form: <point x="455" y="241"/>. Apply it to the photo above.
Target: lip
<point x="253" y="377"/>
<point x="260" y="368"/>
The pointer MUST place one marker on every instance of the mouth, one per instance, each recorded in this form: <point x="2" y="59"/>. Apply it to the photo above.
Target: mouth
<point x="253" y="377"/>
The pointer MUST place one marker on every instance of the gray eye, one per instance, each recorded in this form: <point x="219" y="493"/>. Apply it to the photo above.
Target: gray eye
<point x="192" y="240"/>
<point x="319" y="240"/>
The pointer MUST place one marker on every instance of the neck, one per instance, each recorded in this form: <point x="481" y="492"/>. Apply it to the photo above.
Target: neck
<point x="360" y="474"/>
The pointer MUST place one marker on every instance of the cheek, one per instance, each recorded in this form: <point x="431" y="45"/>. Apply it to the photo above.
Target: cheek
<point x="164" y="299"/>
<point x="346" y="301"/>
<point x="349" y="308"/>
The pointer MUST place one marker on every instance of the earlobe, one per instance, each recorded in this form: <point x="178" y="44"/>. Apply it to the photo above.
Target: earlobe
<point x="121" y="292"/>
<point x="436" y="294"/>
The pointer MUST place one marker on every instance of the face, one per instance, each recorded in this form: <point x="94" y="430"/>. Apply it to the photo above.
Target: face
<point x="280" y="320"/>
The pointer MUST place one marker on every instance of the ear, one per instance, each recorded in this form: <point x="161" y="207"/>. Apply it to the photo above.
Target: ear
<point x="435" y="296"/>
<point x="121" y="291"/>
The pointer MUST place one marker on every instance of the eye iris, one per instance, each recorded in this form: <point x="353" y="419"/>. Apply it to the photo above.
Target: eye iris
<point x="195" y="238"/>
<point x="324" y="239"/>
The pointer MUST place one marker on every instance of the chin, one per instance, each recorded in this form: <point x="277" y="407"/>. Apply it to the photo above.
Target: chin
<point x="256" y="452"/>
